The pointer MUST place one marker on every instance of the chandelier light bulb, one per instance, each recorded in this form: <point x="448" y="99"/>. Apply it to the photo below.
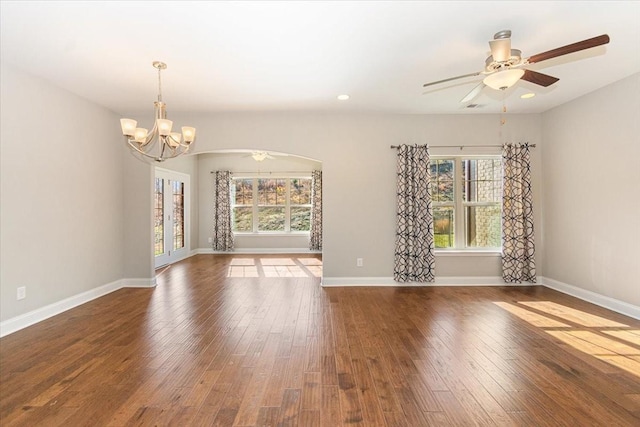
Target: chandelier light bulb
<point x="128" y="126"/>
<point x="164" y="126"/>
<point x="174" y="139"/>
<point x="141" y="135"/>
<point x="188" y="133"/>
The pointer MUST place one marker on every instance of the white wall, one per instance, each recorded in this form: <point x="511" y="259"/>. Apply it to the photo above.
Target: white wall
<point x="591" y="176"/>
<point x="61" y="201"/>
<point x="359" y="172"/>
<point x="244" y="163"/>
<point x="137" y="215"/>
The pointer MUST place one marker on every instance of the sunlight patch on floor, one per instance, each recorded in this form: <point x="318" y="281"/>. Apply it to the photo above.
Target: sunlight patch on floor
<point x="277" y="261"/>
<point x="274" y="267"/>
<point x="310" y="261"/>
<point x="631" y="335"/>
<point x="283" y="271"/>
<point x="572" y="315"/>
<point x="242" y="271"/>
<point x="618" y="347"/>
<point x="243" y="261"/>
<point x="531" y="317"/>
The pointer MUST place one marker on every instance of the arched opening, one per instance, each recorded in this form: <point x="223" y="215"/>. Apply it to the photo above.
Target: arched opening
<point x="271" y="202"/>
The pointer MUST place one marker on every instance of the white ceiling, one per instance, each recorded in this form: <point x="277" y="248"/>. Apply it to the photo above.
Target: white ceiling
<point x="298" y="56"/>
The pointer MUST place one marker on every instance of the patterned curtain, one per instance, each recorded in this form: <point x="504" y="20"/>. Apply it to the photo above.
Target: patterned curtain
<point x="518" y="249"/>
<point x="414" y="257"/>
<point x="222" y="232"/>
<point x="315" y="243"/>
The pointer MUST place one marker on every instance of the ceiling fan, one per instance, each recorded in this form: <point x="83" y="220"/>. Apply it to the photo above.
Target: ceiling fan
<point x="260" y="156"/>
<point x="506" y="66"/>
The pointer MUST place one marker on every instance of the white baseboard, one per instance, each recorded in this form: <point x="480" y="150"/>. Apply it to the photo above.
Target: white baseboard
<point x="440" y="281"/>
<point x="260" y="251"/>
<point x="22" y="321"/>
<point x="14" y="324"/>
<point x="592" y="297"/>
<point x="139" y="283"/>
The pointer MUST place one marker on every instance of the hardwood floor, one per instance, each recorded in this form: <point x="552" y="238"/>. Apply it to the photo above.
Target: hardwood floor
<point x="206" y="349"/>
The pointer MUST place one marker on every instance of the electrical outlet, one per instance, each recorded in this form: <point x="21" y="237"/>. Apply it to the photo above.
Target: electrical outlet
<point x="22" y="292"/>
<point x="359" y="262"/>
<point x="210" y="239"/>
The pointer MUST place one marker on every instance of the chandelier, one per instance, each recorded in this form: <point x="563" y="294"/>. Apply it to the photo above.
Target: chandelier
<point x="160" y="143"/>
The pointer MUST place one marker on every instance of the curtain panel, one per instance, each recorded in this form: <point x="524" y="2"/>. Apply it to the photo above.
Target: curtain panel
<point x="414" y="251"/>
<point x="518" y="247"/>
<point x="315" y="242"/>
<point x="222" y="231"/>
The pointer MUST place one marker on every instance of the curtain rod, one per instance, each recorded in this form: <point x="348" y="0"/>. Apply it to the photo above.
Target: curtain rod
<point x="464" y="146"/>
<point x="270" y="172"/>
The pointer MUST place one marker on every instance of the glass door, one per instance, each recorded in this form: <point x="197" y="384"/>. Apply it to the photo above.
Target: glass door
<point x="170" y="214"/>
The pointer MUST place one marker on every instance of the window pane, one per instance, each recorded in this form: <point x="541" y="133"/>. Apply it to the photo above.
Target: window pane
<point x="443" y="226"/>
<point x="481" y="180"/>
<point x="300" y="219"/>
<point x="242" y="219"/>
<point x="442" y="180"/>
<point x="271" y="191"/>
<point x="483" y="226"/>
<point x="242" y="191"/>
<point x="158" y="223"/>
<point x="271" y="219"/>
<point x="300" y="191"/>
<point x="178" y="214"/>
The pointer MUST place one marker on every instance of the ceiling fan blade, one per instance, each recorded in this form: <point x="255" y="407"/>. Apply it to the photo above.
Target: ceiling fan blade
<point x="570" y="48"/>
<point x="539" y="78"/>
<point x="474" y="92"/>
<point x="452" y="78"/>
<point x="500" y="49"/>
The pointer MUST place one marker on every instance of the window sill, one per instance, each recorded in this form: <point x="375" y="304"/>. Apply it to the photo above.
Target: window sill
<point x="272" y="234"/>
<point x="467" y="252"/>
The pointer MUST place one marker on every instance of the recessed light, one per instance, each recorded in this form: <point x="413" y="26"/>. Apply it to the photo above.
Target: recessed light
<point x="343" y="97"/>
<point x="528" y="95"/>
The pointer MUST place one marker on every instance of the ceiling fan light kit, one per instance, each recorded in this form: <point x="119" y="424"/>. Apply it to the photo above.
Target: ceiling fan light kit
<point x="503" y="79"/>
<point x="259" y="156"/>
<point x="505" y="67"/>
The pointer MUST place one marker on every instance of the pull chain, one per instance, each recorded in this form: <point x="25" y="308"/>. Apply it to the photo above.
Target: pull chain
<point x="502" y="119"/>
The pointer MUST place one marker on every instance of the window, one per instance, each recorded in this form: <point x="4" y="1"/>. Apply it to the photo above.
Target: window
<point x="467" y="202"/>
<point x="271" y="205"/>
<point x="158" y="217"/>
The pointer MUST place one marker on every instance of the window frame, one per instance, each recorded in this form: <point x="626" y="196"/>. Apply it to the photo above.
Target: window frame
<point x="459" y="207"/>
<point x="256" y="205"/>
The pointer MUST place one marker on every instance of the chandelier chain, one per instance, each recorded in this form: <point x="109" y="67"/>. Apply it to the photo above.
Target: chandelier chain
<point x="159" y="85"/>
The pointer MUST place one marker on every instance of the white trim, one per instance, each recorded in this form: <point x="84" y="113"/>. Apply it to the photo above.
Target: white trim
<point x="22" y="321"/>
<point x="463" y="253"/>
<point x="260" y="251"/>
<point x="139" y="283"/>
<point x="592" y="297"/>
<point x="260" y="234"/>
<point x="440" y="281"/>
<point x="187" y="254"/>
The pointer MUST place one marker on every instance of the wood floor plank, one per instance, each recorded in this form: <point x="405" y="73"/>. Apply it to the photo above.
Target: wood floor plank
<point x="203" y="348"/>
<point x="330" y="406"/>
